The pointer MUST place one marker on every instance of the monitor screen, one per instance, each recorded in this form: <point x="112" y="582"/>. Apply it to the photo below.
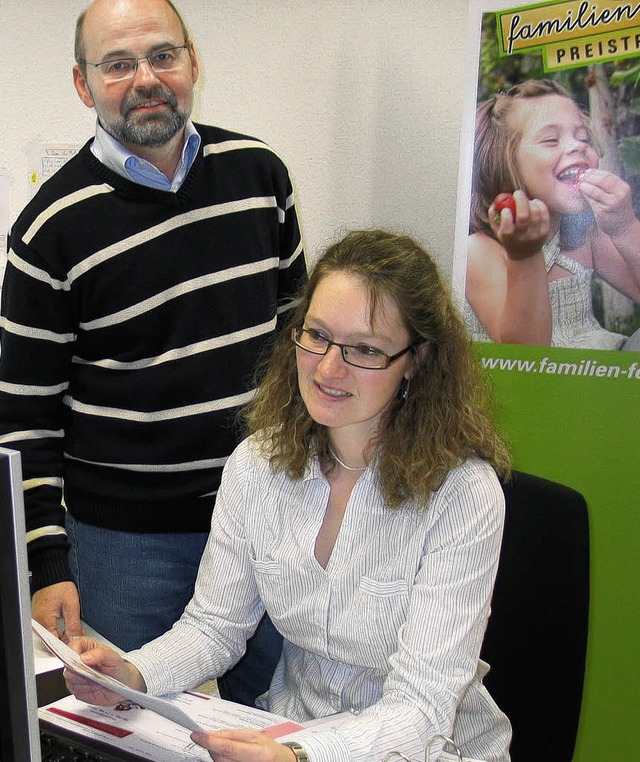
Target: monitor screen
<point x="19" y="733"/>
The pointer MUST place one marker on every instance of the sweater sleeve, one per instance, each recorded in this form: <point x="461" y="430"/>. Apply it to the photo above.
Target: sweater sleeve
<point x="293" y="271"/>
<point x="37" y="338"/>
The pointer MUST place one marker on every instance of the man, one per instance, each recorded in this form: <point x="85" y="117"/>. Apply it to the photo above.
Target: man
<point x="144" y="280"/>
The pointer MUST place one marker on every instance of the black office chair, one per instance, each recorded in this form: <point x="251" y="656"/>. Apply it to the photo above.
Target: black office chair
<point x="536" y="638"/>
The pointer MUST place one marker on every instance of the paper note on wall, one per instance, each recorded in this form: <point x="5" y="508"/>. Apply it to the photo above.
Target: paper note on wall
<point x="46" y="160"/>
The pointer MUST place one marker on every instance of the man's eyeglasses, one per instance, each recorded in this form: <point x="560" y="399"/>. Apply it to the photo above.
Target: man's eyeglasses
<point x="163" y="60"/>
<point x="360" y="355"/>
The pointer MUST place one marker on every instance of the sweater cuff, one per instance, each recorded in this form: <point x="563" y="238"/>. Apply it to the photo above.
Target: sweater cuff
<point x="49" y="568"/>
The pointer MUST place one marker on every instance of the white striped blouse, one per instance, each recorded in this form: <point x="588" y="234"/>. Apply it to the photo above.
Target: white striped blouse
<point x="391" y="630"/>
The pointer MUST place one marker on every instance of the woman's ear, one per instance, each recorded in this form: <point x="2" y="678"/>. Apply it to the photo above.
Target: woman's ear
<point x="419" y="355"/>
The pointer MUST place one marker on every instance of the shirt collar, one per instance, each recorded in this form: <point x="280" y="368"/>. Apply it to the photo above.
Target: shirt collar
<point x="121" y="160"/>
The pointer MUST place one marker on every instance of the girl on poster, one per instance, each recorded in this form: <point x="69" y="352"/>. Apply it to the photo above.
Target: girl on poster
<point x="528" y="278"/>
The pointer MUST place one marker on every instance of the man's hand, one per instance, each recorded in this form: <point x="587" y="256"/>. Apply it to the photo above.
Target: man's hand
<point x="55" y="602"/>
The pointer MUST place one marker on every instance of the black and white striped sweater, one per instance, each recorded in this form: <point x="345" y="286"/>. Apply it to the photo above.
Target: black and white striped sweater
<point x="132" y="319"/>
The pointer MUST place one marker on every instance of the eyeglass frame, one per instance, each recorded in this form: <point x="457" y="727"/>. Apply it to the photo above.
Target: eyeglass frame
<point x="84" y="62"/>
<point x="295" y="333"/>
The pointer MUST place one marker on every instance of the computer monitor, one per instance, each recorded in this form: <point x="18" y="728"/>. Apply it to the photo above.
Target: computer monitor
<point x="19" y="731"/>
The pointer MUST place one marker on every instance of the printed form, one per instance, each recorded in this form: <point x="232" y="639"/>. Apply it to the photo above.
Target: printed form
<point x="154" y="727"/>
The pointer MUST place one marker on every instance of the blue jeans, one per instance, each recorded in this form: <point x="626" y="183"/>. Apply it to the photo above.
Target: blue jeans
<point x="133" y="586"/>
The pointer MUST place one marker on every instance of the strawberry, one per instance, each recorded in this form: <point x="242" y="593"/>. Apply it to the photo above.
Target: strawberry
<point x="505" y="201"/>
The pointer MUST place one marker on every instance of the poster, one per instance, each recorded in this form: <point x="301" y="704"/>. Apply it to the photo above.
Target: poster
<point x="552" y="294"/>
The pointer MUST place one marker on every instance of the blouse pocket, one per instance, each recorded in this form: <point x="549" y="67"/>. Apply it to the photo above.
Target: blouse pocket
<point x="268" y="576"/>
<point x="382" y="610"/>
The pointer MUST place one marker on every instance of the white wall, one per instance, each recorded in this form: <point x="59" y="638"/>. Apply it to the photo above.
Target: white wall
<point x="362" y="98"/>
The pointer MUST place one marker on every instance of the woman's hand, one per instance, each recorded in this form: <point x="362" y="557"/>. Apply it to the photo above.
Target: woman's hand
<point x="107" y="661"/>
<point x="524" y="236"/>
<point x="242" y="746"/>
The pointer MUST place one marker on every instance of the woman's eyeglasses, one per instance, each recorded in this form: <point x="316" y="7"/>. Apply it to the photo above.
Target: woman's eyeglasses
<point x="358" y="355"/>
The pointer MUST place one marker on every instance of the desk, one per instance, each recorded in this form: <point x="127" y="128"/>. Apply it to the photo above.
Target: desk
<point x="50" y="687"/>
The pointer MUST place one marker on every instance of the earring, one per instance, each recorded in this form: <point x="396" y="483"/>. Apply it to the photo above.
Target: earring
<point x="405" y="391"/>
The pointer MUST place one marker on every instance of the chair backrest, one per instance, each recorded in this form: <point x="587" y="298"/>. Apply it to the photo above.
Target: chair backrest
<point x="536" y="638"/>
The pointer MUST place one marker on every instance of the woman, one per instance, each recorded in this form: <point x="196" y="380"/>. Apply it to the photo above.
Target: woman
<point x="364" y="514"/>
<point x="529" y="276"/>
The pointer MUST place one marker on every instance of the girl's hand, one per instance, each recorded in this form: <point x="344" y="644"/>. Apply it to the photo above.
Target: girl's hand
<point x="107" y="661"/>
<point x="242" y="746"/>
<point x="610" y="200"/>
<point x="523" y="237"/>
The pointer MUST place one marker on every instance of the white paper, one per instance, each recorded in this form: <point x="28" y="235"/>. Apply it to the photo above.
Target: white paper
<point x="162" y="734"/>
<point x="72" y="661"/>
<point x="130" y="727"/>
<point x="46" y="661"/>
<point x="45" y="161"/>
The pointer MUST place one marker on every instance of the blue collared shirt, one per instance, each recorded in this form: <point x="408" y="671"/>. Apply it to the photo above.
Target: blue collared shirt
<point x="118" y="158"/>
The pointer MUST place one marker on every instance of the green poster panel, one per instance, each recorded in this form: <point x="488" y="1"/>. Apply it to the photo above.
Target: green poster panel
<point x="573" y="416"/>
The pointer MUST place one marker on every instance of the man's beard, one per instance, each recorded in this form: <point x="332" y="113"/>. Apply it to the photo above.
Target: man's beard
<point x="151" y="130"/>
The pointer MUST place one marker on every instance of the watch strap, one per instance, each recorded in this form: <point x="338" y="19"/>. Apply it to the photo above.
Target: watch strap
<point x="301" y="754"/>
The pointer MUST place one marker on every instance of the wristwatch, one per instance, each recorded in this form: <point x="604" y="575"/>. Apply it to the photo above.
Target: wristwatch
<point x="301" y="754"/>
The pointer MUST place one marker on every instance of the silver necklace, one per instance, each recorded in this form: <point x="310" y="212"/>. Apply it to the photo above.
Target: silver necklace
<point x="344" y="465"/>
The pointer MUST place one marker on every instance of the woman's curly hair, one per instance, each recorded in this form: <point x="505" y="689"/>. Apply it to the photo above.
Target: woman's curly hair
<point x="446" y="415"/>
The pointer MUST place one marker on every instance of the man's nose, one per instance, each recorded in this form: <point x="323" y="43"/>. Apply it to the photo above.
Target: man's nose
<point x="145" y="72"/>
